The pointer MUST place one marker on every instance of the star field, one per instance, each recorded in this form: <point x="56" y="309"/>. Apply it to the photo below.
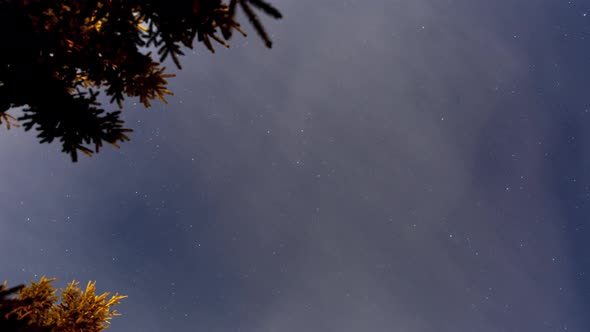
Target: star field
<point x="387" y="166"/>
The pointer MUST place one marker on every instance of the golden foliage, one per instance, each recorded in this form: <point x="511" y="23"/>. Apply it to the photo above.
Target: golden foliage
<point x="39" y="307"/>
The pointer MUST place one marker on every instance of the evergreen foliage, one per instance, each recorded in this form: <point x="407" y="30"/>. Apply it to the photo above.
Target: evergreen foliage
<point x="37" y="308"/>
<point x="58" y="55"/>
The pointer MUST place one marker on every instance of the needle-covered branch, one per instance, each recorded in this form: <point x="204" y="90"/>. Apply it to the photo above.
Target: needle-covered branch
<point x="58" y="54"/>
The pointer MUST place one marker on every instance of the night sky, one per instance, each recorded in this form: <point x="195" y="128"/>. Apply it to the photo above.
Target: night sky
<point x="389" y="165"/>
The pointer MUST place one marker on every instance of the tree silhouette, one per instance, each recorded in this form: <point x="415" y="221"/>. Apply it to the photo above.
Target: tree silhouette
<point x="59" y="55"/>
<point x="37" y="308"/>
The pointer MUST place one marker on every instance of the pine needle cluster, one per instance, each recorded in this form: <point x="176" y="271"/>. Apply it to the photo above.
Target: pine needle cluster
<point x="37" y="308"/>
<point x="59" y="55"/>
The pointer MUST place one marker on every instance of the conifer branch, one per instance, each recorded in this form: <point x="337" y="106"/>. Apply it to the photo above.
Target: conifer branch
<point x="267" y="8"/>
<point x="256" y="23"/>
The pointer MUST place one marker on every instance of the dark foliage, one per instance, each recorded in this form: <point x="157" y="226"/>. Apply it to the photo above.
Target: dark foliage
<point x="8" y="304"/>
<point x="57" y="55"/>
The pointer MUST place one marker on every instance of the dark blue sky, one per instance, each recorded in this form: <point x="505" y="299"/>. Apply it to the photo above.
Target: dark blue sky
<point x="388" y="166"/>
